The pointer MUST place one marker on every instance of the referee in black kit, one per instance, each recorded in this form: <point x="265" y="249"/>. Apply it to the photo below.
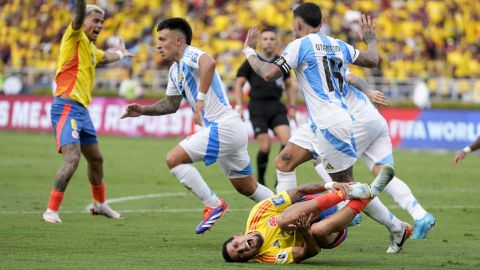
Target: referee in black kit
<point x="266" y="110"/>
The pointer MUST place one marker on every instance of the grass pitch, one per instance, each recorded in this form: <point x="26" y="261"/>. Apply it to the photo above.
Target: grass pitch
<point x="158" y="229"/>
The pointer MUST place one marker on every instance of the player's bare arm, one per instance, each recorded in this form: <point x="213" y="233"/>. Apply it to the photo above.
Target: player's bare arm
<point x="465" y="151"/>
<point x="375" y="96"/>
<point x="117" y="54"/>
<point x="310" y="246"/>
<point x="206" y="69"/>
<point x="369" y="36"/>
<point x="239" y="83"/>
<point x="291" y="91"/>
<point x="167" y="105"/>
<point x="268" y="71"/>
<point x="297" y="193"/>
<point x="80" y="14"/>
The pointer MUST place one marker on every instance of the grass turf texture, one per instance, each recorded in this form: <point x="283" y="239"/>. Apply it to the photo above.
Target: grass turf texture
<point x="158" y="232"/>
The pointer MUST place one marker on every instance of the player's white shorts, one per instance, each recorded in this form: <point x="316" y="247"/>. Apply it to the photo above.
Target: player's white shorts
<point x="373" y="141"/>
<point x="334" y="146"/>
<point x="224" y="142"/>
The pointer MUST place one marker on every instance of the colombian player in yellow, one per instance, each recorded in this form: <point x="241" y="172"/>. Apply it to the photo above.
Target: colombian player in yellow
<point x="73" y="128"/>
<point x="292" y="226"/>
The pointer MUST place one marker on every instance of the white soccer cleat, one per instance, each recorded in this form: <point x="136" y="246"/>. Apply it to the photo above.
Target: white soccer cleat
<point x="105" y="210"/>
<point x="359" y="191"/>
<point x="383" y="178"/>
<point x="397" y="240"/>
<point x="51" y="216"/>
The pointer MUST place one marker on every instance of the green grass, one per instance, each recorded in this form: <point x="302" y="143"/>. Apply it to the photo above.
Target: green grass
<point x="158" y="233"/>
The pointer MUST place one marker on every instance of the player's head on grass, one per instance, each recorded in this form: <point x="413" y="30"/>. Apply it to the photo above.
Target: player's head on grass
<point x="173" y="35"/>
<point x="242" y="247"/>
<point x="306" y="17"/>
<point x="93" y="23"/>
<point x="268" y="40"/>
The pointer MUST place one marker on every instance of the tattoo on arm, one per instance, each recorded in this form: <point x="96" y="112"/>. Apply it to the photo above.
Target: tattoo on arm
<point x="167" y="105"/>
<point x="268" y="71"/>
<point x="358" y="83"/>
<point x="80" y="14"/>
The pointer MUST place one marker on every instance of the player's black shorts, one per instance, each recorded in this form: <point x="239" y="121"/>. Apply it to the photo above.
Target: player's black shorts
<point x="267" y="115"/>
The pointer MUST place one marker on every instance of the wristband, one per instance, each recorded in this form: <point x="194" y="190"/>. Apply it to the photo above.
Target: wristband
<point x="201" y="96"/>
<point x="467" y="149"/>
<point x="249" y="52"/>
<point x="329" y="185"/>
<point x="120" y="54"/>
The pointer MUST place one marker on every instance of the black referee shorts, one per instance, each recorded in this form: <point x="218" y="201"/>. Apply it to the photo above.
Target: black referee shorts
<point x="267" y="115"/>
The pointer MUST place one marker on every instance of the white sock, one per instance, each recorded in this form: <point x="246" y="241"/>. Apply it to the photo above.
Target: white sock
<point x="190" y="178"/>
<point x="402" y="195"/>
<point x="378" y="212"/>
<point x="286" y="180"/>
<point x="323" y="173"/>
<point x="261" y="193"/>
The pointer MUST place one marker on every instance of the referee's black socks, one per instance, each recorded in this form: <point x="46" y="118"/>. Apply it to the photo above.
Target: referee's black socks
<point x="262" y="162"/>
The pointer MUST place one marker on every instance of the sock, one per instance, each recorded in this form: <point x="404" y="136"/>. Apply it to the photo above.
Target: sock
<point x="328" y="200"/>
<point x="261" y="193"/>
<point x="323" y="173"/>
<point x="98" y="193"/>
<point x="190" y="178"/>
<point x="402" y="195"/>
<point x="56" y="198"/>
<point x="262" y="162"/>
<point x="357" y="205"/>
<point x="379" y="212"/>
<point x="286" y="181"/>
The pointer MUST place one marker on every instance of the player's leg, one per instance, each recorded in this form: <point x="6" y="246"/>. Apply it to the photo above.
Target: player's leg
<point x="259" y="121"/>
<point x="63" y="114"/>
<point x="379" y="153"/>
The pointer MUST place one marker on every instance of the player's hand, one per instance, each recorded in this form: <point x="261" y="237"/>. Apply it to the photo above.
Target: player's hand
<point x="239" y="110"/>
<point x="459" y="157"/>
<point x="292" y="114"/>
<point x="252" y="37"/>
<point x="122" y="48"/>
<point x="197" y="114"/>
<point x="377" y="98"/>
<point x="335" y="187"/>
<point x="132" y="110"/>
<point x="367" y="31"/>
<point x="302" y="224"/>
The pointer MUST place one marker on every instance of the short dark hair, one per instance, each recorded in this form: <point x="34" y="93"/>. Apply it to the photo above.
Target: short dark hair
<point x="225" y="254"/>
<point x="178" y="24"/>
<point x="269" y="29"/>
<point x="310" y="13"/>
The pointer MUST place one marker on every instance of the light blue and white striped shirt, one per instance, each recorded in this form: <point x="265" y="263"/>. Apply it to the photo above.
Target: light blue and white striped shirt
<point x="184" y="79"/>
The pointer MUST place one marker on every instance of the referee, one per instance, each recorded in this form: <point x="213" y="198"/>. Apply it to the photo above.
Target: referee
<point x="266" y="110"/>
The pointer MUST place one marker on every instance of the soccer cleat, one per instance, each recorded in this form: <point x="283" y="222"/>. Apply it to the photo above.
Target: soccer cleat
<point x="104" y="210"/>
<point x="360" y="191"/>
<point x="383" y="178"/>
<point x="423" y="226"/>
<point x="356" y="220"/>
<point x="51" y="216"/>
<point x="397" y="240"/>
<point x="211" y="216"/>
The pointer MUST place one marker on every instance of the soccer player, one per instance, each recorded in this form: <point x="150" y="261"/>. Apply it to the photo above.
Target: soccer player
<point x="73" y="128"/>
<point x="265" y="109"/>
<point x="319" y="62"/>
<point x="279" y="232"/>
<point x="465" y="151"/>
<point x="222" y="138"/>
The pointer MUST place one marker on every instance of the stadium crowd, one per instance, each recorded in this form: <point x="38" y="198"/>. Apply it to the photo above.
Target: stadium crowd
<point x="416" y="38"/>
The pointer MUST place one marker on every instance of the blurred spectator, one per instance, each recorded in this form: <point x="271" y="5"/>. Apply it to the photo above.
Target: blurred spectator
<point x="421" y="94"/>
<point x="130" y="88"/>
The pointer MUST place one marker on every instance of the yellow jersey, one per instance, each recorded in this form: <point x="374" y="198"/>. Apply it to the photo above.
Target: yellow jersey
<point x="76" y="66"/>
<point x="277" y="245"/>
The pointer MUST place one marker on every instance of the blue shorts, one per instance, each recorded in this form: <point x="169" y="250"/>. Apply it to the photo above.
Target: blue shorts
<point x="71" y="123"/>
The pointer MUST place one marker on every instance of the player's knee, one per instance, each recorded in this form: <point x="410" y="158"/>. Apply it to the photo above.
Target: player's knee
<point x="97" y="160"/>
<point x="172" y="160"/>
<point x="282" y="165"/>
<point x="72" y="161"/>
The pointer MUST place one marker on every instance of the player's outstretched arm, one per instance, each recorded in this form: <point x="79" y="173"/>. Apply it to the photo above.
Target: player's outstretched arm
<point x="310" y="246"/>
<point x="369" y="36"/>
<point x="465" y="151"/>
<point x="80" y="14"/>
<point x="375" y="96"/>
<point x="167" y="105"/>
<point x="116" y="55"/>
<point x="291" y="91"/>
<point x="268" y="71"/>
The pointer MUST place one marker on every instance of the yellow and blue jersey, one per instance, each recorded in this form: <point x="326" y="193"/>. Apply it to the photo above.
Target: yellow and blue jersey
<point x="76" y="66"/>
<point x="277" y="245"/>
